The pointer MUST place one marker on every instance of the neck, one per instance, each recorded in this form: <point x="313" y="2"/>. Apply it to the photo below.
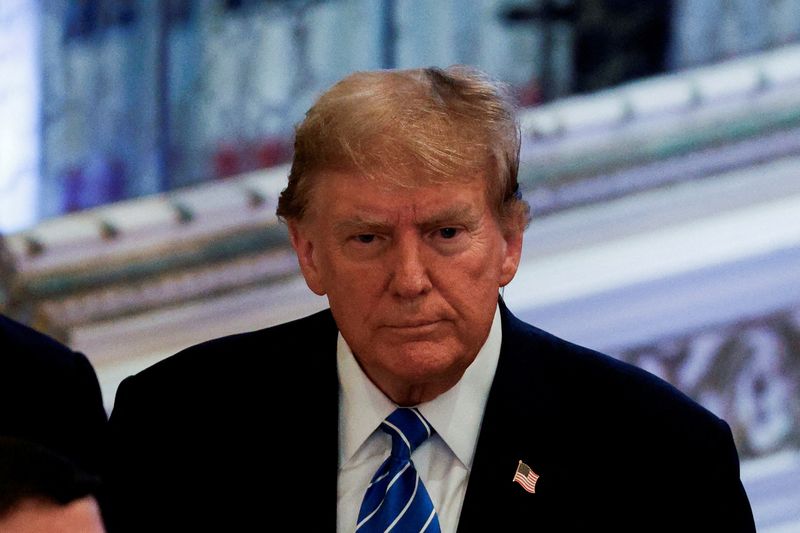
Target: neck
<point x="409" y="395"/>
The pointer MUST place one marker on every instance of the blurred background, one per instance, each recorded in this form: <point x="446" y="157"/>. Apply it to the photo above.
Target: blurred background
<point x="143" y="145"/>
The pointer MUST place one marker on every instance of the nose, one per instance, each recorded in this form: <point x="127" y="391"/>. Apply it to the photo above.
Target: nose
<point x="410" y="277"/>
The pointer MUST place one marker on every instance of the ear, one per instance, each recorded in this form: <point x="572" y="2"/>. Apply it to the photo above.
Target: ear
<point x="512" y="255"/>
<point x="304" y="248"/>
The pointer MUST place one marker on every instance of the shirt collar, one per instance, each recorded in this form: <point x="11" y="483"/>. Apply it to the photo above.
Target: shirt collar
<point x="456" y="414"/>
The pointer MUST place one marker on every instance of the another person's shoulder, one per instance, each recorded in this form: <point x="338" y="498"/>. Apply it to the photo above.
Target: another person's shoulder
<point x="49" y="394"/>
<point x="22" y="342"/>
<point x="27" y="352"/>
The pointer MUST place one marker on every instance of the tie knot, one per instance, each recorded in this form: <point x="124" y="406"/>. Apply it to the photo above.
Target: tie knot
<point x="408" y="429"/>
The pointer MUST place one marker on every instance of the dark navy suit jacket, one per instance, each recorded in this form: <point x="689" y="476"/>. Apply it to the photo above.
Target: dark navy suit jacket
<point x="241" y="432"/>
<point x="50" y="395"/>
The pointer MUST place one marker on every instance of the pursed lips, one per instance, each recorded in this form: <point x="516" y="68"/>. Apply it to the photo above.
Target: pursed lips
<point x="414" y="326"/>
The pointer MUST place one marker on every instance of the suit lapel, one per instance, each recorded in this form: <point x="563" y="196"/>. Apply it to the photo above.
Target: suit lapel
<point x="330" y="432"/>
<point x="518" y="425"/>
<point x="307" y="463"/>
<point x="328" y="436"/>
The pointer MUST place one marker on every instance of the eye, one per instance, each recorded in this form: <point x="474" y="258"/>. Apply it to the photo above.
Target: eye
<point x="365" y="238"/>
<point x="448" y="233"/>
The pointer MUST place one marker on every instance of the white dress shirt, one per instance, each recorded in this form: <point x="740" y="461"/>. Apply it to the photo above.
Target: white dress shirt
<point x="443" y="461"/>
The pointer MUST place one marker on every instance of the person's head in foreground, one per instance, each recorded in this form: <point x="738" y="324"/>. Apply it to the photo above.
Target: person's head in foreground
<point x="43" y="492"/>
<point x="403" y="207"/>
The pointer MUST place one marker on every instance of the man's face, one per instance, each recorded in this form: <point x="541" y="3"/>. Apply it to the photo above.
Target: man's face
<point x="411" y="274"/>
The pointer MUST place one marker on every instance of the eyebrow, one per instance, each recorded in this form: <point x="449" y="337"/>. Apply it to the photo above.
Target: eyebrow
<point x="459" y="214"/>
<point x="360" y="223"/>
<point x="463" y="213"/>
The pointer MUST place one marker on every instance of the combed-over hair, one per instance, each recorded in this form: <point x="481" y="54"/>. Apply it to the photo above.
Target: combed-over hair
<point x="409" y="127"/>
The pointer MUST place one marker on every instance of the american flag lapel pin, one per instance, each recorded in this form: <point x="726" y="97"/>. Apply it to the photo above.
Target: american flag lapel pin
<point x="526" y="477"/>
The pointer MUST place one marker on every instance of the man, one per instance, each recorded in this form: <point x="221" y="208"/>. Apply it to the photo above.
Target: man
<point x="50" y="395"/>
<point x="44" y="492"/>
<point x="418" y="399"/>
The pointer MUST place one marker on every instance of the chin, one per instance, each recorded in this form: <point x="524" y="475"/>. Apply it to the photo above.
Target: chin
<point x="423" y="362"/>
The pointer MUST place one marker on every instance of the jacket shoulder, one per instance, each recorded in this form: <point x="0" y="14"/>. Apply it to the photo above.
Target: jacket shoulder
<point x="238" y="348"/>
<point x="599" y="385"/>
<point x="272" y="350"/>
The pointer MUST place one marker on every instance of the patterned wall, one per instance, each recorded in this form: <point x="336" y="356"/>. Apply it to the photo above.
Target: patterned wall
<point x="747" y="372"/>
<point x="19" y="113"/>
<point x="142" y="97"/>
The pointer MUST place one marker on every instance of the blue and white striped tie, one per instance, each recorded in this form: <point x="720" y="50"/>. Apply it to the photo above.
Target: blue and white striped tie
<point x="396" y="499"/>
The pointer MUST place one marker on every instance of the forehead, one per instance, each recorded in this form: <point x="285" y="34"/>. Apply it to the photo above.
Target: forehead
<point x="347" y="194"/>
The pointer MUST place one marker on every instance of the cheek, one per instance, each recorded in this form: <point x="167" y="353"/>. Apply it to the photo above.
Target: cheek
<point x="479" y="268"/>
<point x="354" y="278"/>
<point x="354" y="290"/>
<point x="337" y="272"/>
<point x="471" y="288"/>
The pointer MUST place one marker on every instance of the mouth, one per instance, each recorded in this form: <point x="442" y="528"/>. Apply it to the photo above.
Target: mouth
<point x="414" y="326"/>
<point x="413" y="323"/>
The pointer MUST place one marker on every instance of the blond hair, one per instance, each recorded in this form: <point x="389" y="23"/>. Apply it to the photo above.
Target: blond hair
<point x="406" y="126"/>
